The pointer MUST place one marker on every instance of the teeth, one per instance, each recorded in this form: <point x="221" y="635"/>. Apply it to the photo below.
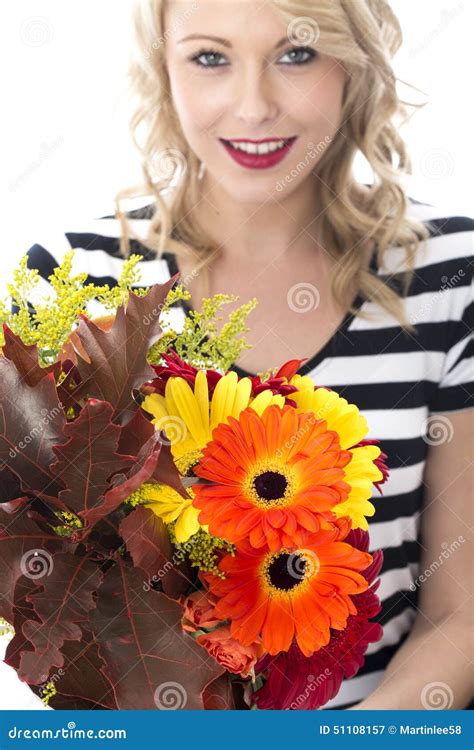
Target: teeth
<point x="258" y="148"/>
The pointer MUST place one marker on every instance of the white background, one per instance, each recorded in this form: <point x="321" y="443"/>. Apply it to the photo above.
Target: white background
<point x="65" y="150"/>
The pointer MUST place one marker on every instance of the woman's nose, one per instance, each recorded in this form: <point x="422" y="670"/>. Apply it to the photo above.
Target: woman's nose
<point x="255" y="98"/>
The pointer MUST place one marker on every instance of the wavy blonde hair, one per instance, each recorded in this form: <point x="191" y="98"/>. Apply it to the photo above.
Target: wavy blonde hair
<point x="363" y="36"/>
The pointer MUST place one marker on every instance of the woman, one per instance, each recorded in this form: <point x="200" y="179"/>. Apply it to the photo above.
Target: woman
<point x="254" y="111"/>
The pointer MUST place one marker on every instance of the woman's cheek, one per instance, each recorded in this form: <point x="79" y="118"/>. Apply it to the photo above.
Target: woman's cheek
<point x="197" y="103"/>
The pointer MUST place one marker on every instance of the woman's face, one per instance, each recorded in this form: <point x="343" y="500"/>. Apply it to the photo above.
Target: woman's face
<point x="255" y="82"/>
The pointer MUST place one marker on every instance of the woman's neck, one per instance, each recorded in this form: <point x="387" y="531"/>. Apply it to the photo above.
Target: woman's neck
<point x="281" y="225"/>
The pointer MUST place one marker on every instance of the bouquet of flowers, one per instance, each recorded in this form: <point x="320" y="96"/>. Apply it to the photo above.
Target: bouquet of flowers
<point x="173" y="536"/>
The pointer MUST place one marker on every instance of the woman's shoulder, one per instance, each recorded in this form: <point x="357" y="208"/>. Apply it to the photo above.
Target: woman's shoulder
<point x="95" y="241"/>
<point x="450" y="240"/>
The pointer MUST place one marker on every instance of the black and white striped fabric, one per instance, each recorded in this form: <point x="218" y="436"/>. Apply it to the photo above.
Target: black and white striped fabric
<point x="401" y="382"/>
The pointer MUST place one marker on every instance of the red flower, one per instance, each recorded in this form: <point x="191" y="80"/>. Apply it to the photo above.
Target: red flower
<point x="177" y="367"/>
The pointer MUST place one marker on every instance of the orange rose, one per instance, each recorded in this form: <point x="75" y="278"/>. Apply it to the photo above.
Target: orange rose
<point x="198" y="612"/>
<point x="229" y="653"/>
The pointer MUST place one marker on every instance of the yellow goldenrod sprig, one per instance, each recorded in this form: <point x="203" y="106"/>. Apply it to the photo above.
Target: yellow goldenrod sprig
<point x="202" y="343"/>
<point x="6" y="628"/>
<point x="47" y="692"/>
<point x="201" y="550"/>
<point x="70" y="523"/>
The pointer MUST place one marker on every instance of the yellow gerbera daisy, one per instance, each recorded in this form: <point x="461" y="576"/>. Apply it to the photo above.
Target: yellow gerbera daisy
<point x="170" y="506"/>
<point x="361" y="473"/>
<point x="351" y="426"/>
<point x="189" y="417"/>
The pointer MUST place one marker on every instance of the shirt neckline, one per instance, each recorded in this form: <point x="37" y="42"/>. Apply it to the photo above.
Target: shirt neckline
<point x="316" y="358"/>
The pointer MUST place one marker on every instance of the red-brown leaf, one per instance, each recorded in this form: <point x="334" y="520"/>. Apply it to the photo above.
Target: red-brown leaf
<point x="147" y="540"/>
<point x="148" y="658"/>
<point x="62" y="604"/>
<point x="89" y="458"/>
<point x="31" y="422"/>
<point x="116" y="361"/>
<point x="20" y="537"/>
<point x="25" y="358"/>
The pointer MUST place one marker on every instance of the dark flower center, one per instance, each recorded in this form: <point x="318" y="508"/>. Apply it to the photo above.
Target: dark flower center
<point x="286" y="571"/>
<point x="270" y="485"/>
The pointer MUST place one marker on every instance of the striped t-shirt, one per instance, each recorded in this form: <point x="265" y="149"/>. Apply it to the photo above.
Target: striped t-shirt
<point x="397" y="379"/>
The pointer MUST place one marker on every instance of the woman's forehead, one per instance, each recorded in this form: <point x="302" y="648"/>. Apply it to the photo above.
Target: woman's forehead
<point x="235" y="21"/>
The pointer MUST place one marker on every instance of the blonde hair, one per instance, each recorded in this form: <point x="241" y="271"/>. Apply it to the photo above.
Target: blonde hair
<point x="355" y="220"/>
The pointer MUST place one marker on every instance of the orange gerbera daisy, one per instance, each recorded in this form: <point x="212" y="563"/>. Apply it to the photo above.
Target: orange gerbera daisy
<point x="271" y="477"/>
<point x="290" y="593"/>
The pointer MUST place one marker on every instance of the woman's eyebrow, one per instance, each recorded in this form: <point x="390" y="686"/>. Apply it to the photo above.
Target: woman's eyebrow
<point x="224" y="42"/>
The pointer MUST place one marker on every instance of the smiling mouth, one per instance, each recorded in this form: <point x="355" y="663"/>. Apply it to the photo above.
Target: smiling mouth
<point x="258" y="148"/>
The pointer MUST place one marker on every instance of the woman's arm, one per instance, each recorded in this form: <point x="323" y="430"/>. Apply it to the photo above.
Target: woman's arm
<point x="439" y="647"/>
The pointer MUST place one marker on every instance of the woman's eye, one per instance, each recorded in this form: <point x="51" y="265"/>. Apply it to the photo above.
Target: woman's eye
<point x="211" y="57"/>
<point x="300" y="55"/>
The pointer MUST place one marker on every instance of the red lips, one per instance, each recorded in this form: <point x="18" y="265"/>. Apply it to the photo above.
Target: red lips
<point x="258" y="161"/>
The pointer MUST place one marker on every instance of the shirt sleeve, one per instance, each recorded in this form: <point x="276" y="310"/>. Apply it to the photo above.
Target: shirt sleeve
<point x="455" y="391"/>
